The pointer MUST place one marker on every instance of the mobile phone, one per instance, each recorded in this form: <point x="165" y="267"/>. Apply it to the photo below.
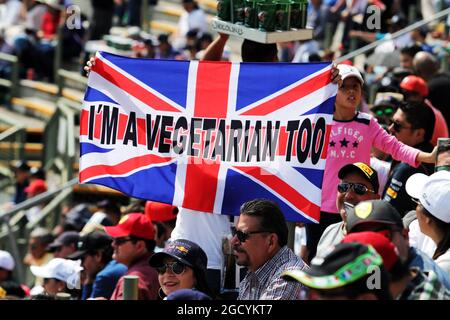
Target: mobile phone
<point x="348" y="206"/>
<point x="443" y="154"/>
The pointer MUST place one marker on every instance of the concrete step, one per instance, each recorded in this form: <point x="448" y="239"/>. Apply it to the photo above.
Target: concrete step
<point x="33" y="150"/>
<point x="34" y="106"/>
<point x="10" y="118"/>
<point x="210" y="6"/>
<point x="160" y="26"/>
<point x="48" y="91"/>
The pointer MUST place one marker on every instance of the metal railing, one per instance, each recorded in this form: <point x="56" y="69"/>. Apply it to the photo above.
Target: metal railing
<point x="12" y="145"/>
<point x="395" y="35"/>
<point x="64" y="75"/>
<point x="12" y="229"/>
<point x="60" y="140"/>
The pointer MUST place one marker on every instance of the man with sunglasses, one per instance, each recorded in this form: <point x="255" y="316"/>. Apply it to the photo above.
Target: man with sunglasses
<point x="358" y="182"/>
<point x="260" y="243"/>
<point x="133" y="244"/>
<point x="380" y="216"/>
<point x="102" y="272"/>
<point x="412" y="124"/>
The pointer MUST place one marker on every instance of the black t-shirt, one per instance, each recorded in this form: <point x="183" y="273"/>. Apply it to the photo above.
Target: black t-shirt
<point x="394" y="191"/>
<point x="103" y="4"/>
<point x="439" y="87"/>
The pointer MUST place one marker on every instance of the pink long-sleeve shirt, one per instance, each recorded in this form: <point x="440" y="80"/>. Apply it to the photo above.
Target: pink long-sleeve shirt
<point x="351" y="141"/>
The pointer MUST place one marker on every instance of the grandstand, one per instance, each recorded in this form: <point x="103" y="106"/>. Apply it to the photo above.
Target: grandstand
<point x="39" y="118"/>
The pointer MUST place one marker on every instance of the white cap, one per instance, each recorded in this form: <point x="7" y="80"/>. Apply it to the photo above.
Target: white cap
<point x="433" y="192"/>
<point x="349" y="71"/>
<point x="6" y="261"/>
<point x="61" y="269"/>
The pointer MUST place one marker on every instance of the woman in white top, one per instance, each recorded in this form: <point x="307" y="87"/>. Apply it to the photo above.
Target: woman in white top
<point x="433" y="213"/>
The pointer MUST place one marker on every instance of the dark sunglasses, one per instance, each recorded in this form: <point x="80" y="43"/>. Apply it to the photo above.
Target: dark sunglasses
<point x="121" y="241"/>
<point x="243" y="236"/>
<point x="398" y="127"/>
<point x="176" y="267"/>
<point x="357" y="188"/>
<point x="384" y="112"/>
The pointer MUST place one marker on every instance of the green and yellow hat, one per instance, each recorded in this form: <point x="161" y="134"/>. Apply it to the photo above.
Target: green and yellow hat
<point x="345" y="264"/>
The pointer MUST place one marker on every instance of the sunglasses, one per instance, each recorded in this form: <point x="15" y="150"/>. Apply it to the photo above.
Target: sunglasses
<point x="384" y="112"/>
<point x="357" y="188"/>
<point x="398" y="126"/>
<point x="121" y="241"/>
<point x="176" y="268"/>
<point x="243" y="236"/>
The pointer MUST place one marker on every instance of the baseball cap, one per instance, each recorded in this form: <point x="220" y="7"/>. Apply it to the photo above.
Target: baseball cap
<point x="367" y="171"/>
<point x="21" y="165"/>
<point x="384" y="247"/>
<point x="160" y="212"/>
<point x="344" y="264"/>
<point x="373" y="211"/>
<point x="433" y="192"/>
<point x="188" y="294"/>
<point x="61" y="269"/>
<point x="415" y="84"/>
<point x="133" y="224"/>
<point x="408" y="218"/>
<point x="6" y="260"/>
<point x="346" y="71"/>
<point x="391" y="99"/>
<point x="108" y="205"/>
<point x="185" y="251"/>
<point x="36" y="186"/>
<point x="64" y="239"/>
<point x="96" y="240"/>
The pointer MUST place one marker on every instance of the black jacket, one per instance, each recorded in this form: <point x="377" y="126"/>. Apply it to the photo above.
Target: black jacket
<point x="394" y="191"/>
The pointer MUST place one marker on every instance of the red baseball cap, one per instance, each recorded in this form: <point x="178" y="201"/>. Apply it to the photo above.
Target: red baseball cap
<point x="160" y="212"/>
<point x="385" y="248"/>
<point x="37" y="186"/>
<point x="415" y="84"/>
<point x="133" y="224"/>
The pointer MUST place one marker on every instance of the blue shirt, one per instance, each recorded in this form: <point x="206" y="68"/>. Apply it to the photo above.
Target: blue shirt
<point x="105" y="281"/>
<point x="420" y="260"/>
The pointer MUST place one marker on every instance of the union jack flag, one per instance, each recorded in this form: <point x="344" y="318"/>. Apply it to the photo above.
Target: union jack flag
<point x="208" y="136"/>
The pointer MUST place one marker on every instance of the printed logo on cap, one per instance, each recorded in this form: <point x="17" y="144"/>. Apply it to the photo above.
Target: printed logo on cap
<point x="363" y="210"/>
<point x="124" y="218"/>
<point x="182" y="249"/>
<point x="364" y="167"/>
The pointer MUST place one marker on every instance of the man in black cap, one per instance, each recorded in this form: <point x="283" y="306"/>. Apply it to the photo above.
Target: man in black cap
<point x="102" y="272"/>
<point x="260" y="243"/>
<point x="64" y="245"/>
<point x="359" y="182"/>
<point x="381" y="216"/>
<point x="344" y="273"/>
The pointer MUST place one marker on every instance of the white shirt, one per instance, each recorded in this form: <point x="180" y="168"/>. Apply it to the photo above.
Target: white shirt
<point x="304" y="50"/>
<point x="300" y="239"/>
<point x="195" y="19"/>
<point x="206" y="230"/>
<point x="444" y="262"/>
<point x="35" y="17"/>
<point x="382" y="168"/>
<point x="419" y="240"/>
<point x="10" y="13"/>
